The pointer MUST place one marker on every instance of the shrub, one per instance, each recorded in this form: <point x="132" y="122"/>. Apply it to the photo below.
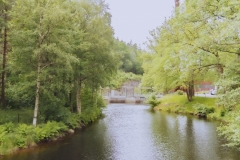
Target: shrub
<point x="231" y="129"/>
<point x="153" y="101"/>
<point x="25" y="130"/>
<point x="202" y="109"/>
<point x="48" y="131"/>
<point x="20" y="141"/>
<point x="3" y="132"/>
<point x="90" y="114"/>
<point x="222" y="113"/>
<point x="213" y="116"/>
<point x="9" y="127"/>
<point x="179" y="92"/>
<point x="211" y="110"/>
<point x="72" y="121"/>
<point x="55" y="114"/>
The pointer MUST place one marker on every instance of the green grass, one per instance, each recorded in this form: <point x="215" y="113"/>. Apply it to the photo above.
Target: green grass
<point x="180" y="104"/>
<point x="11" y="115"/>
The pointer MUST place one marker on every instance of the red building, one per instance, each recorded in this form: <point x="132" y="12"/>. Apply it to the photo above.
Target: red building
<point x="203" y="86"/>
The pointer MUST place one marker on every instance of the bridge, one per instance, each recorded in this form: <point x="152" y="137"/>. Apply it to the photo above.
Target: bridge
<point x="130" y="92"/>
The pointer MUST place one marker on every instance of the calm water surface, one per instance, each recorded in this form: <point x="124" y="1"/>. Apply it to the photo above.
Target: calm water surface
<point x="133" y="132"/>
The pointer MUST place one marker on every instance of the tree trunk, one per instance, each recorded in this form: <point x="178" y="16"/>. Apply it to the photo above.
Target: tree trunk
<point x="190" y="91"/>
<point x="96" y="97"/>
<point x="37" y="92"/>
<point x="78" y="96"/>
<point x="192" y="88"/>
<point x="4" y="59"/>
<point x="70" y="101"/>
<point x="3" y="68"/>
<point x="220" y="69"/>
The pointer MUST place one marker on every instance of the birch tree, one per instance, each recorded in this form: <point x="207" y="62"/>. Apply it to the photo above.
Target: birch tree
<point x="40" y="40"/>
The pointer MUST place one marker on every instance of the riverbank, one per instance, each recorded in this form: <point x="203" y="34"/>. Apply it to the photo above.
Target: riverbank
<point x="200" y="106"/>
<point x="15" y="137"/>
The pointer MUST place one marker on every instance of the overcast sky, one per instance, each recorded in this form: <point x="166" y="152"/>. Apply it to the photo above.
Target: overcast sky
<point x="133" y="19"/>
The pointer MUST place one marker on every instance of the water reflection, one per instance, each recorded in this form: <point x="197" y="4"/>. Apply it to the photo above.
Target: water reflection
<point x="130" y="132"/>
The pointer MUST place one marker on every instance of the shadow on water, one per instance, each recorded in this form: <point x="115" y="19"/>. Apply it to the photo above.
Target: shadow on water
<point x="128" y="132"/>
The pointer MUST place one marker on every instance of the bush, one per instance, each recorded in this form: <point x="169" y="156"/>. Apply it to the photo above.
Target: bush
<point x="20" y="141"/>
<point x="202" y="109"/>
<point x="24" y="135"/>
<point x="231" y="129"/>
<point x="222" y="113"/>
<point x="90" y="114"/>
<point x="213" y="116"/>
<point x="72" y="121"/>
<point x="9" y="127"/>
<point x="49" y="131"/>
<point x="55" y="114"/>
<point x="153" y="101"/>
<point x="3" y="132"/>
<point x="25" y="130"/>
<point x="179" y="92"/>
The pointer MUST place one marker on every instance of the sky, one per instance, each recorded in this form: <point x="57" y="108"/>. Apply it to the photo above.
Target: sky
<point x="133" y="19"/>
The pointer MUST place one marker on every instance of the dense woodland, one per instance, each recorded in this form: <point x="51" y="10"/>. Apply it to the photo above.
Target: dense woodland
<point x="200" y="42"/>
<point x="53" y="52"/>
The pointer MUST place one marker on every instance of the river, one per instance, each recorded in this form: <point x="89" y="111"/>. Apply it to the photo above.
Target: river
<point x="133" y="132"/>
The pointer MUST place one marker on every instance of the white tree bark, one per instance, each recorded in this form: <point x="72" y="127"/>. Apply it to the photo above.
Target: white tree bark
<point x="37" y="93"/>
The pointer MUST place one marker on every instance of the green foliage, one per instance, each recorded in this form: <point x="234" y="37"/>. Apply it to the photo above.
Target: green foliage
<point x="201" y="106"/>
<point x="222" y="113"/>
<point x="199" y="43"/>
<point x="11" y="115"/>
<point x="55" y="113"/>
<point x="73" y="43"/>
<point x="203" y="109"/>
<point x="190" y="47"/>
<point x="49" y="131"/>
<point x="180" y="92"/>
<point x="72" y="121"/>
<point x="230" y="130"/>
<point x="9" y="127"/>
<point x="90" y="115"/>
<point x="24" y="130"/>
<point x="23" y="136"/>
<point x="153" y="101"/>
<point x="20" y="141"/>
<point x="129" y="55"/>
<point x="229" y="86"/>
<point x="3" y="132"/>
<point x="122" y="77"/>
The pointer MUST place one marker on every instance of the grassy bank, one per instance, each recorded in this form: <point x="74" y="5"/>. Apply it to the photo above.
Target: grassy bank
<point x="15" y="136"/>
<point x="201" y="106"/>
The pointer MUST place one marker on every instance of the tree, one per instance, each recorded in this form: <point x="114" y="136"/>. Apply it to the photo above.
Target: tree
<point x="41" y="42"/>
<point x="129" y="56"/>
<point x="190" y="45"/>
<point x="4" y="20"/>
<point x="96" y="61"/>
